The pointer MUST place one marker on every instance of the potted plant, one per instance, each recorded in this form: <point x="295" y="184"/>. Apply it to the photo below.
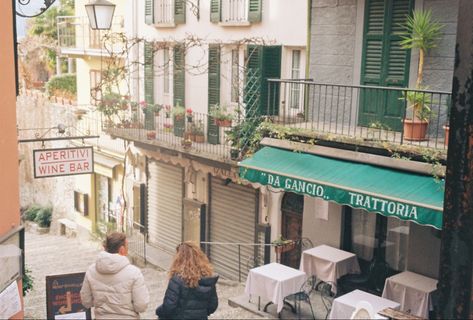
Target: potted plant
<point x="420" y="32"/>
<point x="167" y="127"/>
<point x="282" y="244"/>
<point x="186" y="143"/>
<point x="151" y="135"/>
<point x="221" y="116"/>
<point x="189" y="114"/>
<point x="198" y="132"/>
<point x="167" y="111"/>
<point x="178" y="113"/>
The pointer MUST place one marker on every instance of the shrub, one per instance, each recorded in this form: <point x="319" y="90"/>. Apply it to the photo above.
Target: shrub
<point x="62" y="85"/>
<point x="27" y="281"/>
<point x="43" y="218"/>
<point x="31" y="212"/>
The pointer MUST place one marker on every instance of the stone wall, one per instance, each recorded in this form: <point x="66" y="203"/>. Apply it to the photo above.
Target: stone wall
<point x="35" y="114"/>
<point x="332" y="42"/>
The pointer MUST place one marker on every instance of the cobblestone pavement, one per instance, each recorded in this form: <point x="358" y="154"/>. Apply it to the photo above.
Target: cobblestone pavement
<point x="50" y="254"/>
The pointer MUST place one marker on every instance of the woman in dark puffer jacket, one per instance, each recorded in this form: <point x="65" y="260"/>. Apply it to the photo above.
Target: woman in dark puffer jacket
<point x="191" y="292"/>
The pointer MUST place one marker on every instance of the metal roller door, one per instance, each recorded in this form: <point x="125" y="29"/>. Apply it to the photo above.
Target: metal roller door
<point x="165" y="192"/>
<point x="233" y="214"/>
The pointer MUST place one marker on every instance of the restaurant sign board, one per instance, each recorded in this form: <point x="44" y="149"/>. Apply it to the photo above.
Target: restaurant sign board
<point x="63" y="162"/>
<point x="63" y="299"/>
<point x="354" y="198"/>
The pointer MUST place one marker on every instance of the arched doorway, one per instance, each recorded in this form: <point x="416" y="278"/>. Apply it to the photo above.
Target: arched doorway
<point x="292" y="209"/>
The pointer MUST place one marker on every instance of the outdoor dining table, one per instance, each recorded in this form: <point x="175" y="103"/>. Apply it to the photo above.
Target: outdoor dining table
<point x="413" y="291"/>
<point x="328" y="264"/>
<point x="344" y="306"/>
<point x="274" y="282"/>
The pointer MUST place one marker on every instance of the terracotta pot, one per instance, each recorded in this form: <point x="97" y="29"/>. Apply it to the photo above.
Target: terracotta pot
<point x="447" y="131"/>
<point x="415" y="130"/>
<point x="199" y="138"/>
<point x="223" y="123"/>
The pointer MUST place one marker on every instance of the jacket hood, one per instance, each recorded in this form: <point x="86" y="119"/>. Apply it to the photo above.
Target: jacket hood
<point x="209" y="281"/>
<point x="109" y="263"/>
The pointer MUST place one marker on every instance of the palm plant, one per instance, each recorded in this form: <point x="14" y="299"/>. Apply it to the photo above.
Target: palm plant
<point x="421" y="32"/>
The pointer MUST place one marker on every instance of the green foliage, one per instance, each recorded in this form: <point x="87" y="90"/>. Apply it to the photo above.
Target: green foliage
<point x="43" y="217"/>
<point x="197" y="128"/>
<point x="112" y="103"/>
<point x="220" y="113"/>
<point x="281" y="241"/>
<point x="421" y="31"/>
<point x="178" y="111"/>
<point x="418" y="104"/>
<point x="31" y="212"/>
<point x="28" y="281"/>
<point x="62" y="85"/>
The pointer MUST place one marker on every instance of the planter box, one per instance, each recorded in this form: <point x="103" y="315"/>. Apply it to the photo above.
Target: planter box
<point x="199" y="138"/>
<point x="285" y="247"/>
<point x="35" y="228"/>
<point x="223" y="123"/>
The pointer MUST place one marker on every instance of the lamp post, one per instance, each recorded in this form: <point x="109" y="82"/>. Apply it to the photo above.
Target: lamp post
<point x="100" y="14"/>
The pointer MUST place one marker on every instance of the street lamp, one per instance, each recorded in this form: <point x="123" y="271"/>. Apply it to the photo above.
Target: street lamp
<point x="100" y="13"/>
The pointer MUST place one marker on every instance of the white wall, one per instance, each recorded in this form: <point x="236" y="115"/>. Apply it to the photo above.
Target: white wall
<point x="322" y="222"/>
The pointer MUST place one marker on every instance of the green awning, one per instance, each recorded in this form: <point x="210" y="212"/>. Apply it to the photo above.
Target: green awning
<point x="407" y="196"/>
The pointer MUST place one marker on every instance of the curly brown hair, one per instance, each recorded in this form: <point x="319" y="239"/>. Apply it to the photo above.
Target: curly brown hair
<point x="190" y="264"/>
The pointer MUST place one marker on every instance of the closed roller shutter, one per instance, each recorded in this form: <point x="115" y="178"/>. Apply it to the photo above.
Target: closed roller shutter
<point x="165" y="206"/>
<point x="232" y="219"/>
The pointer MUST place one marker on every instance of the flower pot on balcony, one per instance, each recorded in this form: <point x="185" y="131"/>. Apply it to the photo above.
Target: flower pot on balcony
<point x="223" y="122"/>
<point x="447" y="131"/>
<point x="199" y="138"/>
<point x="234" y="153"/>
<point x="415" y="130"/>
<point x="151" y="135"/>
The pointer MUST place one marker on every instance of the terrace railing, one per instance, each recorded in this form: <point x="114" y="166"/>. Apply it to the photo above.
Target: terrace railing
<point x="364" y="112"/>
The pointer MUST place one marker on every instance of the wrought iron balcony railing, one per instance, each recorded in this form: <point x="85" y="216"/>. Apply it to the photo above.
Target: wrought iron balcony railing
<point x="76" y="36"/>
<point x="384" y="114"/>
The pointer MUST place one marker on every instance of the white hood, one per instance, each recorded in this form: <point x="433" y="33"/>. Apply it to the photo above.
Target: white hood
<point x="109" y="263"/>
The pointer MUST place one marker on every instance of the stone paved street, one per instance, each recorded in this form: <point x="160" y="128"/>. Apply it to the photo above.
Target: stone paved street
<point x="50" y="254"/>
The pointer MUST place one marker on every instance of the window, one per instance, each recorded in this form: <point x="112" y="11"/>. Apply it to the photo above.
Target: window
<point x="81" y="203"/>
<point x="295" y="90"/>
<point x="166" y="70"/>
<point x="95" y="89"/>
<point x="235" y="77"/>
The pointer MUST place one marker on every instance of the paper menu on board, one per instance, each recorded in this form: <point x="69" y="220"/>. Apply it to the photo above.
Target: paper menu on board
<point x="10" y="303"/>
<point x="75" y="315"/>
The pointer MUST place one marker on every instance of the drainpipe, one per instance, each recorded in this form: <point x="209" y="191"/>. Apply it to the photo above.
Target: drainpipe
<point x="456" y="250"/>
<point x="307" y="51"/>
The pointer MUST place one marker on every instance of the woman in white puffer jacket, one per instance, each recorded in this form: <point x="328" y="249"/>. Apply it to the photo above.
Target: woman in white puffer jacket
<point x="114" y="287"/>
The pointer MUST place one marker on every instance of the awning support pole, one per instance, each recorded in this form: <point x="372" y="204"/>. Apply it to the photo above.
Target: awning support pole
<point x="456" y="253"/>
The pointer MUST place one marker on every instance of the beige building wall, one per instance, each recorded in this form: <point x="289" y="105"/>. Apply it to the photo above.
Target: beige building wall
<point x="9" y="186"/>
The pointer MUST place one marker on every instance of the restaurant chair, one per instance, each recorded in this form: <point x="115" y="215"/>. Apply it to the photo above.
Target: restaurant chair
<point x="371" y="281"/>
<point x="326" y="295"/>
<point x="302" y="295"/>
<point x="363" y="310"/>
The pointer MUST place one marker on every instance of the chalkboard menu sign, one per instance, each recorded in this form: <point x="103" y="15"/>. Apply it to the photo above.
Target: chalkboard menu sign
<point x="63" y="297"/>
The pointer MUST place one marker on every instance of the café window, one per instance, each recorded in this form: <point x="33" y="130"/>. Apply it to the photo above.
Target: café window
<point x="370" y="235"/>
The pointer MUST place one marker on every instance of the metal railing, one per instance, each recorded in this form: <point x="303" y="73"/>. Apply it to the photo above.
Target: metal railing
<point x="136" y="236"/>
<point x="365" y="112"/>
<point x="234" y="11"/>
<point x="74" y="32"/>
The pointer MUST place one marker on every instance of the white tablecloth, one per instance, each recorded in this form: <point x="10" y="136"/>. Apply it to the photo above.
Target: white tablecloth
<point x="274" y="282"/>
<point x="328" y="264"/>
<point x="344" y="306"/>
<point x="413" y="291"/>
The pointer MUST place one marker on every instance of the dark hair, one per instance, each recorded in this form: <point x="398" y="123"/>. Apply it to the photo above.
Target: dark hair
<point x="114" y="241"/>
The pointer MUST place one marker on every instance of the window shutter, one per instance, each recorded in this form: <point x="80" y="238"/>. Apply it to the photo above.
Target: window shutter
<point x="179" y="86"/>
<point x="149" y="11"/>
<point x="215" y="13"/>
<point x="149" y="83"/>
<point x="179" y="11"/>
<point x="86" y="204"/>
<point x="214" y="91"/>
<point x="254" y="10"/>
<point x="271" y="70"/>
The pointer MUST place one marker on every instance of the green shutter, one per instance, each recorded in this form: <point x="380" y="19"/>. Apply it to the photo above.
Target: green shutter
<point x="179" y="86"/>
<point x="384" y="62"/>
<point x="215" y="11"/>
<point x="271" y="70"/>
<point x="179" y="11"/>
<point x="149" y="83"/>
<point x="149" y="12"/>
<point x="254" y="10"/>
<point x="214" y="91"/>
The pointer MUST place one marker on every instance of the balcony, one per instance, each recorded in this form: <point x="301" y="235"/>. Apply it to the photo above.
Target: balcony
<point x="234" y="12"/>
<point x="76" y="38"/>
<point x="375" y="116"/>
